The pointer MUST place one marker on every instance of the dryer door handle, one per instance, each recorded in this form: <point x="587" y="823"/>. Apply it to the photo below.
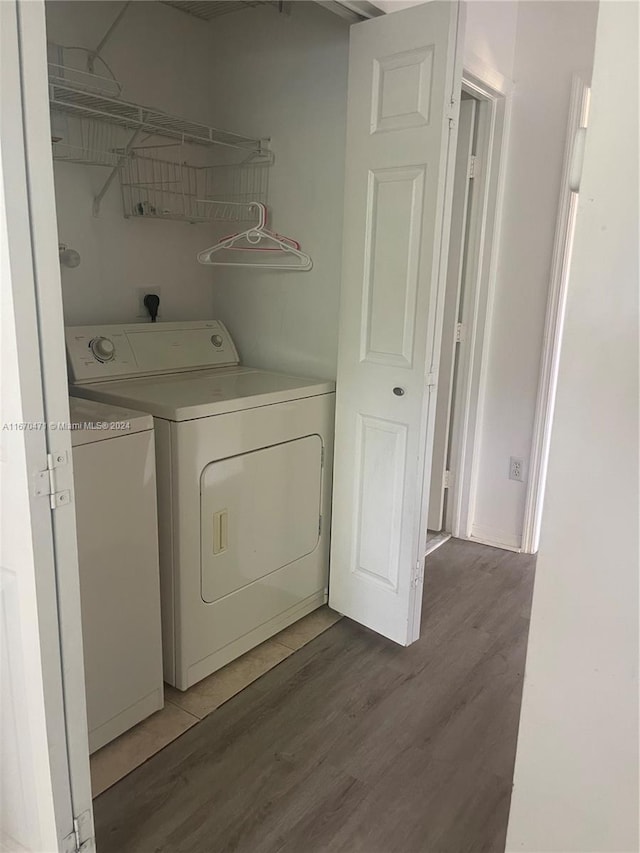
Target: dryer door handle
<point x="220" y="531"/>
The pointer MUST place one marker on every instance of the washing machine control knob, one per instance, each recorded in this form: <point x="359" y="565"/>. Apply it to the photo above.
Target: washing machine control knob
<point x="103" y="349"/>
<point x="216" y="340"/>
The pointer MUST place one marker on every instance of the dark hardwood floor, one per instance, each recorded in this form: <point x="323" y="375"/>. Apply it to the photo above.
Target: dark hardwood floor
<point x="353" y="744"/>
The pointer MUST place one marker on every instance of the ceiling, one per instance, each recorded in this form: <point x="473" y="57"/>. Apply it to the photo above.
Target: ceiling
<point x="207" y="10"/>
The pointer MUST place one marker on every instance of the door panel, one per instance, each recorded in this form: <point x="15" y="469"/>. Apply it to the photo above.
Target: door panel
<point x="455" y="266"/>
<point x="394" y="213"/>
<point x="404" y="85"/>
<point x="382" y="448"/>
<point x="402" y="90"/>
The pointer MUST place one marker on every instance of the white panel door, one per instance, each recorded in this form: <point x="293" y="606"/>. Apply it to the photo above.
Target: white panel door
<point x="404" y="89"/>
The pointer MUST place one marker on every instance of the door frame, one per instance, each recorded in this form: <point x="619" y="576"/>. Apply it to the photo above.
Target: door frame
<point x="554" y="322"/>
<point x="450" y="344"/>
<point x="494" y="93"/>
<point x="38" y="317"/>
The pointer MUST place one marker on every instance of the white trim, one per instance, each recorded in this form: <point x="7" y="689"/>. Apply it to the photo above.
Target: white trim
<point x="554" y="324"/>
<point x="494" y="537"/>
<point x="445" y="183"/>
<point x="484" y="235"/>
<point x="46" y="818"/>
<point x="489" y="81"/>
<point x="36" y="210"/>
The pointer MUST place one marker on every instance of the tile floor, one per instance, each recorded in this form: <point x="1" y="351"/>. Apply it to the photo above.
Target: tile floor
<point x="183" y="710"/>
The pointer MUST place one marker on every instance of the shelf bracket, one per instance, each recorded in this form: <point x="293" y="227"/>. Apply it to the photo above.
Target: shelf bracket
<point x="95" y="54"/>
<point x="125" y="153"/>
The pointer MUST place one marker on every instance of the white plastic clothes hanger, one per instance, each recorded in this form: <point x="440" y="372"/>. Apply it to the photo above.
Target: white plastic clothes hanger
<point x="257" y="239"/>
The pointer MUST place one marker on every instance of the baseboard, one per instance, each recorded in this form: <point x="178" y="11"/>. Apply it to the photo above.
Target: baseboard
<point x="495" y="538"/>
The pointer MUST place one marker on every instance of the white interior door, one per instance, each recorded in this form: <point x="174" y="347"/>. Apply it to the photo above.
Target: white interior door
<point x="45" y="792"/>
<point x="404" y="89"/>
<point x="455" y="269"/>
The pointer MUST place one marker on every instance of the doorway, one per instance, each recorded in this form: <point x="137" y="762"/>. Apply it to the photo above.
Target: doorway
<point x="438" y="524"/>
<point x="477" y="189"/>
<point x="36" y="123"/>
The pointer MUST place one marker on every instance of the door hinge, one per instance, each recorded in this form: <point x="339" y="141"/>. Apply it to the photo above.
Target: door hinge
<point x="418" y="573"/>
<point x="447" y="479"/>
<point x="458" y="332"/>
<point x="431" y="381"/>
<point x="473" y="168"/>
<point x="319" y="525"/>
<point x="452" y="109"/>
<point x="82" y="839"/>
<point x="322" y="456"/>
<point x="45" y="481"/>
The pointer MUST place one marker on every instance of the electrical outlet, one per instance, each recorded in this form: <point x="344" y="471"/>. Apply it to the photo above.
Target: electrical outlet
<point x="516" y="469"/>
<point x="141" y="292"/>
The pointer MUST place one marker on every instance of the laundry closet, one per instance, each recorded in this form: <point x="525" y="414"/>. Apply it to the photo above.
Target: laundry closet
<point x="202" y="166"/>
<point x="155" y="190"/>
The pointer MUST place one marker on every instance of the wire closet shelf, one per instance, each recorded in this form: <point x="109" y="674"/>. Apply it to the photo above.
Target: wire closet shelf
<point x="92" y="127"/>
<point x="161" y="189"/>
<point x="78" y="101"/>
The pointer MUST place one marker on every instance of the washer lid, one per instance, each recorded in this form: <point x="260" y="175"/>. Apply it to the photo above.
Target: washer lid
<point x="92" y="421"/>
<point x="201" y="394"/>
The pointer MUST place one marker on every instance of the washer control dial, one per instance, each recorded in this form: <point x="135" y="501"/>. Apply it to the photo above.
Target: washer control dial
<point x="217" y="340"/>
<point x="103" y="349"/>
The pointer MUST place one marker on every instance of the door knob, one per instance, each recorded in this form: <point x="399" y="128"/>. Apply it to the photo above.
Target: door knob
<point x="399" y="392"/>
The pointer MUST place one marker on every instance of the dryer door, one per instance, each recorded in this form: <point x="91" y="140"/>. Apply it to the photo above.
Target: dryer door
<point x="259" y="511"/>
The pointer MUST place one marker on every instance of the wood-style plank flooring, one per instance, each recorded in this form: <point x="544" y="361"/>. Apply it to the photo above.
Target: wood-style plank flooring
<point x="353" y="744"/>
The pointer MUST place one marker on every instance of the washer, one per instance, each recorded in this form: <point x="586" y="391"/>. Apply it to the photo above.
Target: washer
<point x="115" y="500"/>
<point x="244" y="462"/>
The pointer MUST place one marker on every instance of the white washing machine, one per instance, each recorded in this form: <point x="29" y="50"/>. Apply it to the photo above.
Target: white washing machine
<point x="115" y="499"/>
<point x="244" y="462"/>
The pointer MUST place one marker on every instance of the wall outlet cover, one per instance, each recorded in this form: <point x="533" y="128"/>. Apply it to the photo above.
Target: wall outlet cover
<point x="516" y="469"/>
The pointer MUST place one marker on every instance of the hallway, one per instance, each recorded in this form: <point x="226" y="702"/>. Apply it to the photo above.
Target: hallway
<point x="354" y="744"/>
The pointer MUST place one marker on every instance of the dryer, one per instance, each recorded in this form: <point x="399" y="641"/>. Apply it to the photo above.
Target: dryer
<point x="243" y="463"/>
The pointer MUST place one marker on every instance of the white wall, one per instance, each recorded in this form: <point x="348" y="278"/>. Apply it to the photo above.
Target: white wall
<point x="576" y="777"/>
<point x="162" y="58"/>
<point x="553" y="40"/>
<point x="490" y="34"/>
<point x="288" y="75"/>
